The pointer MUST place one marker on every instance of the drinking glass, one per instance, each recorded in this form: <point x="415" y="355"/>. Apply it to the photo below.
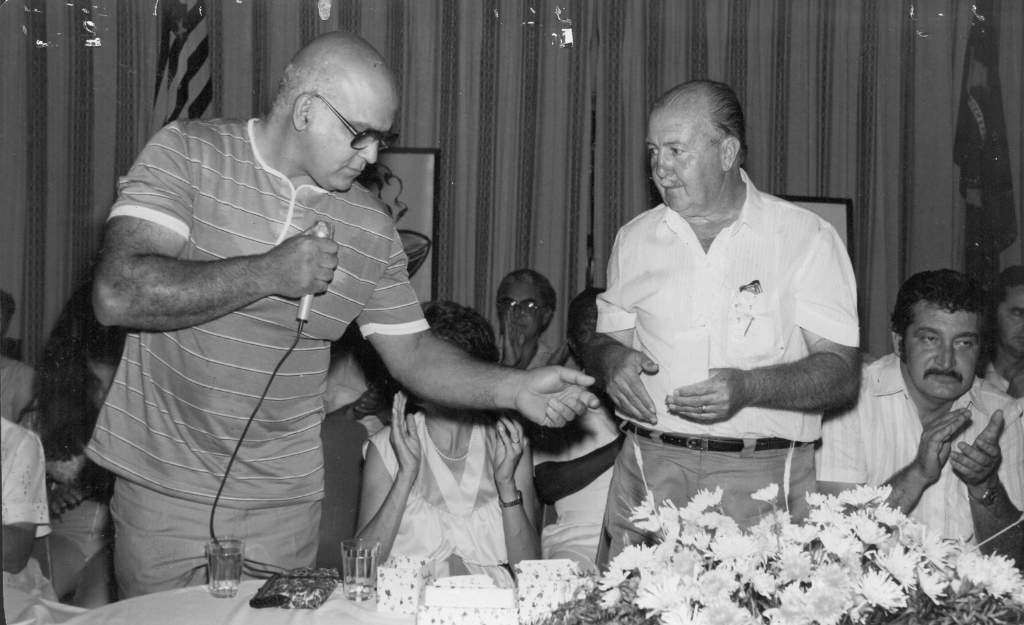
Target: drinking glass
<point x="224" y="566"/>
<point x="359" y="564"/>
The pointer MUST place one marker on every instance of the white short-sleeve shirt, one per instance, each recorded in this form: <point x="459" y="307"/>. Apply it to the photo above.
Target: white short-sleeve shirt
<point x="881" y="435"/>
<point x="664" y="287"/>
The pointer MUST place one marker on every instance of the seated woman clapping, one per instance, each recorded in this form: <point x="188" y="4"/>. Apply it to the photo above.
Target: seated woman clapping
<point x="452" y="486"/>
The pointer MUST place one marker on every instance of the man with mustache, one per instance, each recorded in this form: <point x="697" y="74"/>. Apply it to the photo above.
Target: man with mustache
<point x="950" y="444"/>
<point x="1006" y="314"/>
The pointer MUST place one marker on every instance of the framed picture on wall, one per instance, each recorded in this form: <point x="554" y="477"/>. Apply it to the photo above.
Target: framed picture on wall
<point x="406" y="181"/>
<point x="836" y="211"/>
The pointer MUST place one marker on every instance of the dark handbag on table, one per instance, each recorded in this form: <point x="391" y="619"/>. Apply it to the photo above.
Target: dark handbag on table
<point x="298" y="588"/>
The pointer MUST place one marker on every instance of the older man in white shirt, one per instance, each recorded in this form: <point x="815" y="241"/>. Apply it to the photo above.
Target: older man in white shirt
<point x="949" y="443"/>
<point x="729" y="324"/>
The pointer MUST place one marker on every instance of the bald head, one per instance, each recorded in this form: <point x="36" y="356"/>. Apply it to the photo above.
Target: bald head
<point x="332" y="63"/>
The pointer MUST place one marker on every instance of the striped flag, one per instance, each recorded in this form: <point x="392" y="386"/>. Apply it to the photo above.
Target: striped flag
<point x="183" y="85"/>
<point x="981" y="150"/>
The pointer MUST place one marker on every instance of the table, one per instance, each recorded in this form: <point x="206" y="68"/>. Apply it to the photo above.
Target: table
<point x="195" y="606"/>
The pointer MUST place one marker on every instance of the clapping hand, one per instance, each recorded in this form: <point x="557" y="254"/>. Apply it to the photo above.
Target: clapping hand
<point x="937" y="443"/>
<point x="404" y="438"/>
<point x="512" y="341"/>
<point x="976" y="464"/>
<point x="508" y="451"/>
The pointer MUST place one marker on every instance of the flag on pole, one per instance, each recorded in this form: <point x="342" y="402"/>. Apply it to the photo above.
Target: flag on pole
<point x="183" y="86"/>
<point x="981" y="151"/>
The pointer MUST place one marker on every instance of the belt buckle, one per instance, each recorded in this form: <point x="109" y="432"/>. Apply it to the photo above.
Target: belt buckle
<point x="696" y="444"/>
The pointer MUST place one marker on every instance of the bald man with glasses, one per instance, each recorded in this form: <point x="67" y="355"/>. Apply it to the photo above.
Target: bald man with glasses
<point x="209" y="247"/>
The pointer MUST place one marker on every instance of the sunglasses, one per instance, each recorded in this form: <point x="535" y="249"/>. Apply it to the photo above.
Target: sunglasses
<point x="363" y="138"/>
<point x="524" y="308"/>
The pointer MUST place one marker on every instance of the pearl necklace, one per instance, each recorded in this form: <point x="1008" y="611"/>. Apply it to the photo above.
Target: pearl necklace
<point x="472" y="440"/>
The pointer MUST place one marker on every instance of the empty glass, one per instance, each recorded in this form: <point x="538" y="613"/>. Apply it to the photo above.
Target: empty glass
<point x="359" y="563"/>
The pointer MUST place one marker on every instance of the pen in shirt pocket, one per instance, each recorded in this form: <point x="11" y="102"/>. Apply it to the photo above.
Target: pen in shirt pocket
<point x="755" y="289"/>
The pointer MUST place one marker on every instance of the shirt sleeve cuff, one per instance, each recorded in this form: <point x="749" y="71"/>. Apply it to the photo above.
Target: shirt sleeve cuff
<point x="611" y="320"/>
<point x="151" y="215"/>
<point x="830" y="329"/>
<point x="394" y="329"/>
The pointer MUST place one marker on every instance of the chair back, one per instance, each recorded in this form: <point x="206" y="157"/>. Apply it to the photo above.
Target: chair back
<point x="343" y="473"/>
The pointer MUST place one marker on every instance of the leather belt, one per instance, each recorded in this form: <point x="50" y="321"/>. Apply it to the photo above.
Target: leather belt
<point x="697" y="443"/>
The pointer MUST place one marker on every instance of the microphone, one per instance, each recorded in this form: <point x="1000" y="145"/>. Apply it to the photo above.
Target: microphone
<point x="323" y="230"/>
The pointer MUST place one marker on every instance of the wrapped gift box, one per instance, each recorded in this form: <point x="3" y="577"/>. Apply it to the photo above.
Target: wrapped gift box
<point x="467" y="600"/>
<point x="400" y="583"/>
<point x="437" y="615"/>
<point x="544" y="585"/>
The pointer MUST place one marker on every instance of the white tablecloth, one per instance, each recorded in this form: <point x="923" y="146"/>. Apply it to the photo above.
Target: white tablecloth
<point x="195" y="606"/>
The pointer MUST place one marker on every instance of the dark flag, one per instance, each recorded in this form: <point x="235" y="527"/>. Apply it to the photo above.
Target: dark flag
<point x="981" y="150"/>
<point x="183" y="85"/>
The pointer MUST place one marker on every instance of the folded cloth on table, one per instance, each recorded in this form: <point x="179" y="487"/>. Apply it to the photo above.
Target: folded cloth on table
<point x="298" y="588"/>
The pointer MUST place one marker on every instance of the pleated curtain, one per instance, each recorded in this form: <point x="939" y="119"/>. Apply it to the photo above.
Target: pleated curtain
<point x="540" y="144"/>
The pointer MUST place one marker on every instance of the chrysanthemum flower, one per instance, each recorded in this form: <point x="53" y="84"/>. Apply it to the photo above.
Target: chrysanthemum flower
<point x="899" y="563"/>
<point x="768" y="494"/>
<point x="880" y="590"/>
<point x="863" y="495"/>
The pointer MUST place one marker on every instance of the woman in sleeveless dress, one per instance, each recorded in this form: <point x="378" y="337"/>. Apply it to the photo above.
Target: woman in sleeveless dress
<point x="449" y="485"/>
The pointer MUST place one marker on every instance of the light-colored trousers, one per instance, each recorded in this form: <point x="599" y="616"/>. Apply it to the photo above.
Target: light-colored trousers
<point x="677" y="474"/>
<point x="159" y="541"/>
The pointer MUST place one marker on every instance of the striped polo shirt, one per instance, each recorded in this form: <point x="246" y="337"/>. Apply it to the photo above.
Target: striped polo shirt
<point x="181" y="398"/>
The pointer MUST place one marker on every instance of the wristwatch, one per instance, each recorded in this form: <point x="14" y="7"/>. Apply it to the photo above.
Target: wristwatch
<point x="988" y="497"/>
<point x="518" y="501"/>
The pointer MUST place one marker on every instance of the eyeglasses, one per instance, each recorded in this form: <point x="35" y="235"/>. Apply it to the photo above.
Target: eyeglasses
<point x="363" y="138"/>
<point x="527" y="307"/>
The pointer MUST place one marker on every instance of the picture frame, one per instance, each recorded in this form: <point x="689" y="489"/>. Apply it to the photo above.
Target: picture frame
<point x="836" y="211"/>
<point x="406" y="180"/>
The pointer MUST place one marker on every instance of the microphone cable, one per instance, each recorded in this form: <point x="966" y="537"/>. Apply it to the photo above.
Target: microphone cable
<point x="238" y="446"/>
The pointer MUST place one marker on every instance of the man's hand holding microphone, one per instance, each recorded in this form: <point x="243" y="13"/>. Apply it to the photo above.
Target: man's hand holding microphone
<point x="304" y="265"/>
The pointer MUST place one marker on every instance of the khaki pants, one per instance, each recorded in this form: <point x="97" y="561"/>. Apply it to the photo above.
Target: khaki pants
<point x="677" y="474"/>
<point x="159" y="541"/>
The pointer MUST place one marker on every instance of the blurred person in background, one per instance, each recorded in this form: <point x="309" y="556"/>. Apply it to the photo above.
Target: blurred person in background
<point x="24" y="515"/>
<point x="15" y="376"/>
<point x="573" y="464"/>
<point x="526" y="304"/>
<point x="78" y="365"/>
<point x="1005" y="367"/>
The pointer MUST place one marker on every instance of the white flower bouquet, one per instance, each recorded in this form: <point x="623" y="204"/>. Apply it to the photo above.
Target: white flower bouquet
<point x="855" y="561"/>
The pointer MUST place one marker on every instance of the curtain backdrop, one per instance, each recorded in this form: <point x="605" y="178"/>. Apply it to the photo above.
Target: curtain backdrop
<point x="540" y="144"/>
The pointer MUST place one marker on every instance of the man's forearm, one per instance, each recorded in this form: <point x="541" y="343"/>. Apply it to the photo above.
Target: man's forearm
<point x="817" y="382"/>
<point x="439" y="372"/>
<point x="151" y="292"/>
<point x="992" y="519"/>
<point x="908" y="484"/>
<point x="555" y="480"/>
